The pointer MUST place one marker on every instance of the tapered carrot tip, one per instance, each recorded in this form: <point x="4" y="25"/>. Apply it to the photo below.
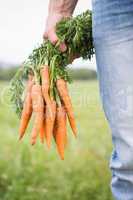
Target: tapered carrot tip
<point x="74" y="130"/>
<point x="62" y="157"/>
<point x="48" y="144"/>
<point x="61" y="154"/>
<point x="42" y="141"/>
<point x="20" y="138"/>
<point x="75" y="134"/>
<point x="33" y="141"/>
<point x="42" y="138"/>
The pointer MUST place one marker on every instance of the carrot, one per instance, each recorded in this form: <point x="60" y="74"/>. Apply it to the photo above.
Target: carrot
<point x="46" y="87"/>
<point x="42" y="130"/>
<point x="38" y="109"/>
<point x="27" y="108"/>
<point x="49" y="122"/>
<point x="64" y="95"/>
<point x="60" y="130"/>
<point x="45" y="83"/>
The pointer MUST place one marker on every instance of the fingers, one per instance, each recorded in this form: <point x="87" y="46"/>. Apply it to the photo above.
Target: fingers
<point x="51" y="35"/>
<point x="50" y="32"/>
<point x="63" y="47"/>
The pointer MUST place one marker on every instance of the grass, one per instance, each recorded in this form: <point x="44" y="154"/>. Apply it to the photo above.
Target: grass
<point x="34" y="173"/>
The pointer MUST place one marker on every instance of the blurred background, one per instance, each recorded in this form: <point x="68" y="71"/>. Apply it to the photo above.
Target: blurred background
<point x="34" y="173"/>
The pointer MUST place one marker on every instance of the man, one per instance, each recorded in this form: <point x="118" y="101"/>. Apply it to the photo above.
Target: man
<point x="113" y="41"/>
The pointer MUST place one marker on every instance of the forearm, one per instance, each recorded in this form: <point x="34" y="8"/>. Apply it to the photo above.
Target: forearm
<point x="64" y="7"/>
<point x="58" y="9"/>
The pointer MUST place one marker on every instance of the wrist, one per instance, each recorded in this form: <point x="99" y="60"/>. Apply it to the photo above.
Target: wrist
<point x="60" y="7"/>
<point x="61" y="13"/>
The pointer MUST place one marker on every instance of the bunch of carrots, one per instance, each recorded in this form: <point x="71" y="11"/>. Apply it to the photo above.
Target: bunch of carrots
<point x="46" y="92"/>
<point x="49" y="113"/>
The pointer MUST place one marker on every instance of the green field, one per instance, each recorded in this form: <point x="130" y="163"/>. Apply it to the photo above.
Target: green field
<point x="34" y="173"/>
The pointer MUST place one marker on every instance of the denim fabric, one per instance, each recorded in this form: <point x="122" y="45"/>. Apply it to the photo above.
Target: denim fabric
<point x="113" y="41"/>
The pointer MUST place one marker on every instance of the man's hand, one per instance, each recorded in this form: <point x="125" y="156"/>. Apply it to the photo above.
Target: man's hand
<point x="50" y="33"/>
<point x="58" y="9"/>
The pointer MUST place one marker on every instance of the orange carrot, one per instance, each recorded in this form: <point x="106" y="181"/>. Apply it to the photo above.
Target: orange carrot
<point x="46" y="87"/>
<point x="60" y="130"/>
<point x="49" y="122"/>
<point x="42" y="130"/>
<point x="64" y="95"/>
<point x="45" y="83"/>
<point x="38" y="109"/>
<point x="27" y="108"/>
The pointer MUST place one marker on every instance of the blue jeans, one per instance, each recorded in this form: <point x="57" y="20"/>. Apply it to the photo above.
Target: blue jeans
<point x="113" y="41"/>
